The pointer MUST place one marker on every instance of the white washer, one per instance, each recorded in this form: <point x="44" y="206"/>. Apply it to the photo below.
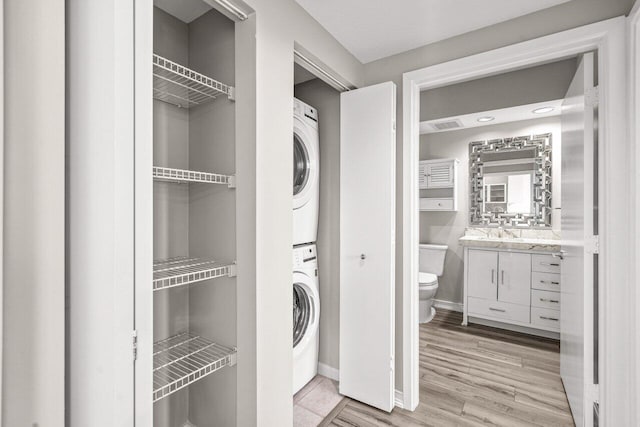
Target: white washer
<point x="306" y="173"/>
<point x="306" y="315"/>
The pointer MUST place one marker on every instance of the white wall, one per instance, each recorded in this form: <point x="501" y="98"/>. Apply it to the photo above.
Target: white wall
<point x="279" y="24"/>
<point x="326" y="101"/>
<point x="548" y="21"/>
<point x="447" y="227"/>
<point x="33" y="364"/>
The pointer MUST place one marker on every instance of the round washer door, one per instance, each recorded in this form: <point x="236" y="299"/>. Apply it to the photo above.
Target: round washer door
<point x="306" y="311"/>
<point x="305" y="163"/>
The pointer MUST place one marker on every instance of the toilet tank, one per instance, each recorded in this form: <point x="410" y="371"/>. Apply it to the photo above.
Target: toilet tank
<point x="432" y="258"/>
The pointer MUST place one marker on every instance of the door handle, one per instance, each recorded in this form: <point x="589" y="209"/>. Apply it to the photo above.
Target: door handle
<point x="363" y="257"/>
<point x="503" y="277"/>
<point x="492" y="273"/>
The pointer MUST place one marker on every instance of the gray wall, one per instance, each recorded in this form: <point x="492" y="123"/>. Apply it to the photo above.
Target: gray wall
<point x="326" y="100"/>
<point x="447" y="227"/>
<point x="212" y="215"/>
<point x="531" y="85"/>
<point x="549" y="21"/>
<point x="33" y="363"/>
<point x="170" y="206"/>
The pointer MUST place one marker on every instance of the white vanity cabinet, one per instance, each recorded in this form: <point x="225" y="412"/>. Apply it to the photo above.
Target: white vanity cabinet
<point x="513" y="287"/>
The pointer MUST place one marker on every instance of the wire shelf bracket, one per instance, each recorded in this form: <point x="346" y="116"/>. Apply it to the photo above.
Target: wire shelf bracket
<point x="184" y="176"/>
<point x="183" y="87"/>
<point x="183" y="271"/>
<point x="185" y="358"/>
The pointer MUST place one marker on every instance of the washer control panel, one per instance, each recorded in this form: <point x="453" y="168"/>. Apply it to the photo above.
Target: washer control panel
<point x="304" y="256"/>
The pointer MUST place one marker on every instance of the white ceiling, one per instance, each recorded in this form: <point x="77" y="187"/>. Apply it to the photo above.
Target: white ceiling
<point x="504" y="115"/>
<point x="376" y="29"/>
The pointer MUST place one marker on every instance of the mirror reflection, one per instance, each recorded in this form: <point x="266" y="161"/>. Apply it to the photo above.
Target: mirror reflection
<point x="511" y="181"/>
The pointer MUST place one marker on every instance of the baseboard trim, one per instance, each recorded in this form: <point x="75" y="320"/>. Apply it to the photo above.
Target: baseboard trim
<point x="448" y="305"/>
<point x="328" y="371"/>
<point x="399" y="399"/>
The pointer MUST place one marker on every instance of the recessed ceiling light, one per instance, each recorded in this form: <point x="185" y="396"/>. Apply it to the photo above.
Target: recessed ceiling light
<point x="486" y="119"/>
<point x="543" y="110"/>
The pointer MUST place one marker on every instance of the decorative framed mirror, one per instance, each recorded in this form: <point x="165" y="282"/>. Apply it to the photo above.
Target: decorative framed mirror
<point x="511" y="182"/>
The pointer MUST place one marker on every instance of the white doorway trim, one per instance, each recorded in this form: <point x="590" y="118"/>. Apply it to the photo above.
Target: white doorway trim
<point x="608" y="38"/>
<point x="634" y="129"/>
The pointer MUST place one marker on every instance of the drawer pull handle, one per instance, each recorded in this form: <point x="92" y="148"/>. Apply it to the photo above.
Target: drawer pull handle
<point x="549" y="300"/>
<point x="552" y="264"/>
<point x="497" y="309"/>
<point x="492" y="273"/>
<point x="503" y="277"/>
<point x="549" y="318"/>
<point x="549" y="283"/>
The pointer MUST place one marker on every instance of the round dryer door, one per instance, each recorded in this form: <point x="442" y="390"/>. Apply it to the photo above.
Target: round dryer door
<point x="301" y="165"/>
<point x="305" y="163"/>
<point x="305" y="313"/>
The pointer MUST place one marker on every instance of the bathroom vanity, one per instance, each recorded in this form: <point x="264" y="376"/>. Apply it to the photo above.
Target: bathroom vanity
<point x="512" y="282"/>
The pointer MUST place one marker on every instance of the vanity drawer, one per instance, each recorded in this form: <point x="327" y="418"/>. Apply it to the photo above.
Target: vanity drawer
<point x="545" y="317"/>
<point x="545" y="281"/>
<point x="545" y="264"/>
<point x="436" y="204"/>
<point x="498" y="309"/>
<point x="545" y="299"/>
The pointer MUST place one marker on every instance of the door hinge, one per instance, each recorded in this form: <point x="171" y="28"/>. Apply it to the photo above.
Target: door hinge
<point x="594" y="393"/>
<point x="592" y="244"/>
<point x="592" y="96"/>
<point x="134" y="335"/>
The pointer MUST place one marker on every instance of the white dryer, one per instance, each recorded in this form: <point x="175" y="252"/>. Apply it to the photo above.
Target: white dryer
<point x="306" y="315"/>
<point x="306" y="173"/>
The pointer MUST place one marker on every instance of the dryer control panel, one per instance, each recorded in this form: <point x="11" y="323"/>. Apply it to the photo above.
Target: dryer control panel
<point x="304" y="256"/>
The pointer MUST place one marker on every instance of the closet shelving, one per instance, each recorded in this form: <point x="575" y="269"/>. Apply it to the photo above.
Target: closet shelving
<point x="181" y="86"/>
<point x="186" y="176"/>
<point x="182" y="271"/>
<point x="183" y="359"/>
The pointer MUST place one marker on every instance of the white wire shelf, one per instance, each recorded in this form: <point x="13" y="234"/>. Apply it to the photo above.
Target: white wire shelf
<point x="182" y="271"/>
<point x="183" y="359"/>
<point x="185" y="176"/>
<point x="181" y="86"/>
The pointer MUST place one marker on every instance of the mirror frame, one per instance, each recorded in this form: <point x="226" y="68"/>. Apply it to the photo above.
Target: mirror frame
<point x="541" y="216"/>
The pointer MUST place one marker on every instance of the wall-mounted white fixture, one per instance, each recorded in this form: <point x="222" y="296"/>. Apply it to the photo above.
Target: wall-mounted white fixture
<point x="543" y="110"/>
<point x="486" y="119"/>
<point x="438" y="185"/>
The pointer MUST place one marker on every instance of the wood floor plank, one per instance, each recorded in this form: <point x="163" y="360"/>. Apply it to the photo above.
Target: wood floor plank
<point x="475" y="376"/>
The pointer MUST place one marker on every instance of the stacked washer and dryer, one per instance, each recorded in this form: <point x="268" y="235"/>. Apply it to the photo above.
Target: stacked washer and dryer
<point x="306" y="200"/>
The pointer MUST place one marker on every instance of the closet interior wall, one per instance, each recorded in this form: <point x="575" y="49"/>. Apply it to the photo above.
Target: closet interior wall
<point x="197" y="220"/>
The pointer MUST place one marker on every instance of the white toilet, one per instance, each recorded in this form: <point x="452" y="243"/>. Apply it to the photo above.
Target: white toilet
<point x="431" y="266"/>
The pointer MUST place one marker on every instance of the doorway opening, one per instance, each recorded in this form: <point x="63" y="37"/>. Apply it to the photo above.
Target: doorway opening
<point x="611" y="167"/>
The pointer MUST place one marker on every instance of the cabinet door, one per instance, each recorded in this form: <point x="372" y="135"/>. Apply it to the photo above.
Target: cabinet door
<point x="439" y="175"/>
<point x="482" y="274"/>
<point x="514" y="280"/>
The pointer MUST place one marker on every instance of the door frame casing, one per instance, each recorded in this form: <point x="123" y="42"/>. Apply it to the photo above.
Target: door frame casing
<point x="634" y="136"/>
<point x="608" y="39"/>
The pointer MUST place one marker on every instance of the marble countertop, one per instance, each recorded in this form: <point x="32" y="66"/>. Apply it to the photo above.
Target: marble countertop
<point x="523" y="243"/>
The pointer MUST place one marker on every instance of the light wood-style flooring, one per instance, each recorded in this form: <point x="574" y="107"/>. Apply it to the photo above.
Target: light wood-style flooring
<point x="475" y="376"/>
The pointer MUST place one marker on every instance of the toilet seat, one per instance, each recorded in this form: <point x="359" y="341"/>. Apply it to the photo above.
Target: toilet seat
<point x="427" y="279"/>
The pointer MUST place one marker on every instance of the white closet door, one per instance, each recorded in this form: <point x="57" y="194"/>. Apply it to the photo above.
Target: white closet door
<point x="367" y="244"/>
<point x="577" y="279"/>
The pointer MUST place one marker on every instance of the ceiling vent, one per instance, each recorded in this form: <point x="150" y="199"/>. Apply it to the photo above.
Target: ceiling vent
<point x="447" y="125"/>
